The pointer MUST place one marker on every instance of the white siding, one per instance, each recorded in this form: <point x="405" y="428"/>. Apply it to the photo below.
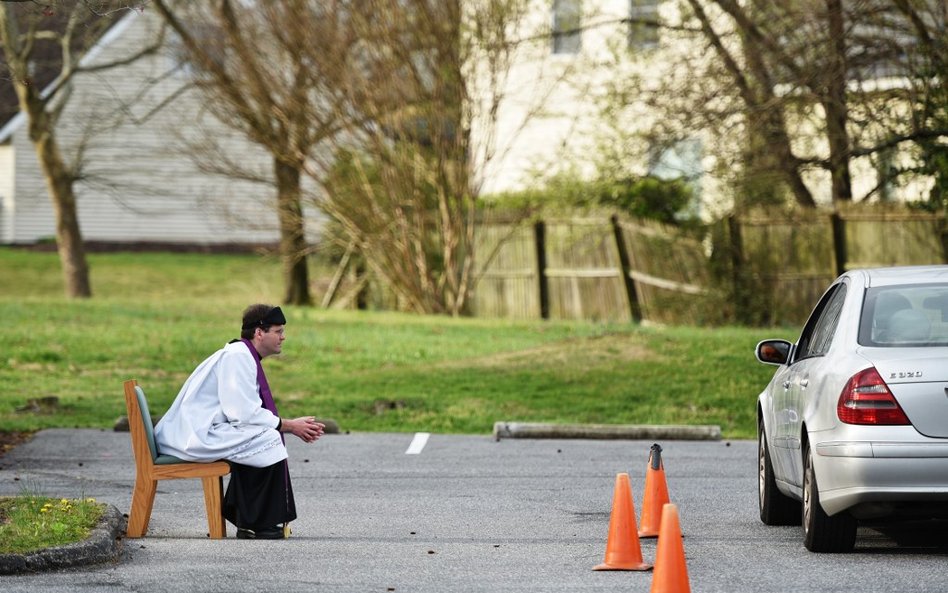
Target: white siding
<point x="32" y="211"/>
<point x="550" y="118"/>
<point x="138" y="182"/>
<point x="7" y="173"/>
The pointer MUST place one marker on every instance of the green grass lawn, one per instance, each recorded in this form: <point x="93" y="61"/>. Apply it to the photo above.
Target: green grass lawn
<point x="29" y="523"/>
<point x="155" y="316"/>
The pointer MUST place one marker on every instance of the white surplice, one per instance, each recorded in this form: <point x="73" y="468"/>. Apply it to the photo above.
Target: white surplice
<point x="218" y="414"/>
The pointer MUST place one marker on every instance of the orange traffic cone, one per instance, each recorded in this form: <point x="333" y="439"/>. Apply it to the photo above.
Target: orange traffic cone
<point x="622" y="548"/>
<point x="656" y="494"/>
<point x="671" y="573"/>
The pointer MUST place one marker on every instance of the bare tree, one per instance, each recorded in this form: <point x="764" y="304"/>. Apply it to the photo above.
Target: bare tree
<point x="406" y="185"/>
<point x="52" y="39"/>
<point x="811" y="85"/>
<point x="273" y="71"/>
<point x="833" y="54"/>
<point x="769" y="140"/>
<point x="926" y="59"/>
<point x="400" y="191"/>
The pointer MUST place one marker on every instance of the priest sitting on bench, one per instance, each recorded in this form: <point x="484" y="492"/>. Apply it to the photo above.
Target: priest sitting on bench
<point x="225" y="410"/>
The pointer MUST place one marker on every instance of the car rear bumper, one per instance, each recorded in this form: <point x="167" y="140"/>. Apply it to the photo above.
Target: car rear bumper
<point x="874" y="478"/>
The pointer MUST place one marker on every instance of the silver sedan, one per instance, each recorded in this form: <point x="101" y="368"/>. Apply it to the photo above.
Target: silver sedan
<point x="854" y="424"/>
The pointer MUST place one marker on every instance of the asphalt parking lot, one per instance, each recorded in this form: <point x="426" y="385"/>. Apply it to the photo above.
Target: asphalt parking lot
<point x="459" y="513"/>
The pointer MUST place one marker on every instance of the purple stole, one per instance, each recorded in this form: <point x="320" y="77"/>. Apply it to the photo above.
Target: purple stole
<point x="266" y="399"/>
<point x="266" y="396"/>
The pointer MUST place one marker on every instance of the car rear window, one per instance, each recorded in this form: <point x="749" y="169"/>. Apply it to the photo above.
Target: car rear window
<point x="907" y="315"/>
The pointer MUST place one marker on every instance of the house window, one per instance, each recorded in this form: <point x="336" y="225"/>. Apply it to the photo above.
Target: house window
<point x="643" y="24"/>
<point x="680" y="160"/>
<point x="567" y="22"/>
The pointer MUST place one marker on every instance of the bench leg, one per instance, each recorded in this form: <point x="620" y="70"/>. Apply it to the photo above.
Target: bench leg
<point x="143" y="498"/>
<point x="213" y="502"/>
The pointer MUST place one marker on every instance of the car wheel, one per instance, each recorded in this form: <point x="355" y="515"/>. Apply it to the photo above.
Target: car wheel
<point x="822" y="533"/>
<point x="775" y="507"/>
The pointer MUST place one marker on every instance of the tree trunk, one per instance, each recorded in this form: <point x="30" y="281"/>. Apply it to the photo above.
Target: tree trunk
<point x="770" y="130"/>
<point x="787" y="164"/>
<point x="59" y="180"/>
<point x="769" y="156"/>
<point x="836" y="106"/>
<point x="292" y="235"/>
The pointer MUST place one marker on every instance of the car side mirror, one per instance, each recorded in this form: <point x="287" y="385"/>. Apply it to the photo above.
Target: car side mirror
<point x="774" y="351"/>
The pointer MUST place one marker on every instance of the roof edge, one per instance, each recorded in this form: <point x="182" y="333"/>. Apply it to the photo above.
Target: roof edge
<point x="113" y="33"/>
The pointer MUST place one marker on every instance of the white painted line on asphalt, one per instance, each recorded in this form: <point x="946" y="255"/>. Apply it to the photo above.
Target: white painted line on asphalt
<point x="418" y="443"/>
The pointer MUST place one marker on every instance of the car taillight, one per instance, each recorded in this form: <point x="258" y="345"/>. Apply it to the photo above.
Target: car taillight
<point x="866" y="399"/>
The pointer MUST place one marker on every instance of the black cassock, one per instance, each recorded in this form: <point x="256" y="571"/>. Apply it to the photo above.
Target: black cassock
<point x="259" y="497"/>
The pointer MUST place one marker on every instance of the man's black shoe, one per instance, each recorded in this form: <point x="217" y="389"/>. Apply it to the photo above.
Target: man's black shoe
<point x="275" y="532"/>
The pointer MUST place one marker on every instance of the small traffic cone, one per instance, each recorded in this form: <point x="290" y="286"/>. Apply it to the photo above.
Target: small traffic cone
<point x="622" y="548"/>
<point x="656" y="494"/>
<point x="671" y="573"/>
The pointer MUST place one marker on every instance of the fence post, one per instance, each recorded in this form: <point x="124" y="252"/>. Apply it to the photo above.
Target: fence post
<point x="943" y="235"/>
<point x="742" y="310"/>
<point x="539" y="232"/>
<point x="839" y="242"/>
<point x="635" y="308"/>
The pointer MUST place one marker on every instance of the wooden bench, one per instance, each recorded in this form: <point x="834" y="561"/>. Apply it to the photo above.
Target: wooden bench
<point x="151" y="466"/>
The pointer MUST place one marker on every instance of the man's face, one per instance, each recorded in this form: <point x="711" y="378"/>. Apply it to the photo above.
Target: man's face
<point x="270" y="341"/>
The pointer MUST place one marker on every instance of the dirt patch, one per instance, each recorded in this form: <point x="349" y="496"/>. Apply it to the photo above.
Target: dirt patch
<point x="10" y="439"/>
<point x="595" y="350"/>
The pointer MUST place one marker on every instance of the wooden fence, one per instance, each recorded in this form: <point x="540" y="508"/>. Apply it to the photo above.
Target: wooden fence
<point x="771" y="269"/>
<point x="758" y="269"/>
<point x="607" y="269"/>
<point x="780" y="265"/>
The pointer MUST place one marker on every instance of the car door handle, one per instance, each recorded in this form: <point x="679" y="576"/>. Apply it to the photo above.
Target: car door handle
<point x="804" y="383"/>
<point x="786" y="385"/>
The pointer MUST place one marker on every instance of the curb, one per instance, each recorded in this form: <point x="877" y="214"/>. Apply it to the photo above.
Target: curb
<point x="102" y="545"/>
<point x="537" y="430"/>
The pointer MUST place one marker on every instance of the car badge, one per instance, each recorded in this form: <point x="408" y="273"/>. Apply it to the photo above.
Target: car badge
<point x="905" y="375"/>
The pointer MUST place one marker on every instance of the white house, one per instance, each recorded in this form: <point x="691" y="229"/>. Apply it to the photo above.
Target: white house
<point x="555" y="116"/>
<point x="129" y="126"/>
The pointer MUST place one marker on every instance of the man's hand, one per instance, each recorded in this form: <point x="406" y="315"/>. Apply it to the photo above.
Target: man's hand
<point x="305" y="428"/>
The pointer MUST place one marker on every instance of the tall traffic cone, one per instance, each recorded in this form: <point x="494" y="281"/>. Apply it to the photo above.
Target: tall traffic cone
<point x="671" y="573"/>
<point x="622" y="548"/>
<point x="656" y="494"/>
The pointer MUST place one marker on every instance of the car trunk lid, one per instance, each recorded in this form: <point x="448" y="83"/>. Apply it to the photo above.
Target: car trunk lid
<point x="918" y="379"/>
